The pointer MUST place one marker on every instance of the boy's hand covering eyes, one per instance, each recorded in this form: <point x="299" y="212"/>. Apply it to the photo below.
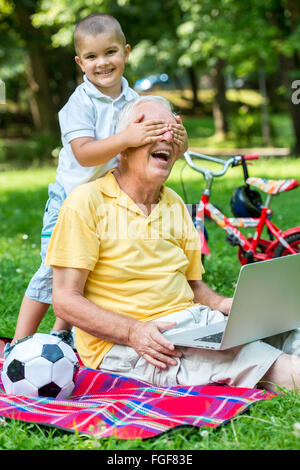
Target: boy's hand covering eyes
<point x="180" y="136"/>
<point x="140" y="133"/>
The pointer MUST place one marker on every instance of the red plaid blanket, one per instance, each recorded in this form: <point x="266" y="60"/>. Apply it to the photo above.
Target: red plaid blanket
<point x="107" y="404"/>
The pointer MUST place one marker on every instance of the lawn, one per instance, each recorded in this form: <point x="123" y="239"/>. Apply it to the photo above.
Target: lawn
<point x="268" y="425"/>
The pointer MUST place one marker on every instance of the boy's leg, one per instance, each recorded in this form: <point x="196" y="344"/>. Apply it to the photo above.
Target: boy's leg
<point x="60" y="324"/>
<point x="30" y="315"/>
<point x="38" y="295"/>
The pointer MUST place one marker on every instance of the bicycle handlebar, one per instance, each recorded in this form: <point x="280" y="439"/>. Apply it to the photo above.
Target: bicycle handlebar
<point x="251" y="157"/>
<point x="233" y="161"/>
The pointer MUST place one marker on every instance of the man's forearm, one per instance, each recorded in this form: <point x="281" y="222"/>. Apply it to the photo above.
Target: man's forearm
<point x="206" y="296"/>
<point x="76" y="309"/>
<point x="144" y="337"/>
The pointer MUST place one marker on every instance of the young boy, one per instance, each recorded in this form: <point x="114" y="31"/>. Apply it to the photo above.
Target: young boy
<point x="90" y="146"/>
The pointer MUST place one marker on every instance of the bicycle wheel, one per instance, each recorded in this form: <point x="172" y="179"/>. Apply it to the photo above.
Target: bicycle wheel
<point x="293" y="240"/>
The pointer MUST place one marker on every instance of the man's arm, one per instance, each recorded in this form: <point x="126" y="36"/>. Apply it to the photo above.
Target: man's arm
<point x="206" y="296"/>
<point x="70" y="304"/>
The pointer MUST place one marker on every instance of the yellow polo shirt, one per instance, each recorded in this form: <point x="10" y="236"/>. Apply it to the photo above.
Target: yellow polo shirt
<point x="139" y="265"/>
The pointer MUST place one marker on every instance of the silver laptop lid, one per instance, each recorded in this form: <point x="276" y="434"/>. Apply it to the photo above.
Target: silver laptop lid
<point x="266" y="301"/>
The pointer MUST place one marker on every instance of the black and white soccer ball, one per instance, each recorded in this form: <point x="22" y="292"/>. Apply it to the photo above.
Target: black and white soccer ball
<point x="41" y="365"/>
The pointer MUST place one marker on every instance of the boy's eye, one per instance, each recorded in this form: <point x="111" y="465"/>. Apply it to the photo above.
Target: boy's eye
<point x="91" y="56"/>
<point x="111" y="51"/>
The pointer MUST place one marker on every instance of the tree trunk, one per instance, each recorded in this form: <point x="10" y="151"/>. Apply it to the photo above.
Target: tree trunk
<point x="67" y="78"/>
<point x="220" y="104"/>
<point x="265" y="120"/>
<point x="194" y="85"/>
<point x="41" y="104"/>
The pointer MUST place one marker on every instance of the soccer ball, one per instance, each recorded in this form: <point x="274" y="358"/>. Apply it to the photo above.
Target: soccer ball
<point x="40" y="365"/>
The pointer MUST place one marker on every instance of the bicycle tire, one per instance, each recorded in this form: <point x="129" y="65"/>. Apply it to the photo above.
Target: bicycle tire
<point x="292" y="240"/>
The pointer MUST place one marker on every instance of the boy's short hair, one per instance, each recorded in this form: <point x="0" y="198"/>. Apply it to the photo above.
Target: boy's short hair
<point x="97" y="23"/>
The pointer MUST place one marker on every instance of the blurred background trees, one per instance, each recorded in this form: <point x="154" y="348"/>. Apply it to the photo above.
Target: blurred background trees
<point x="228" y="61"/>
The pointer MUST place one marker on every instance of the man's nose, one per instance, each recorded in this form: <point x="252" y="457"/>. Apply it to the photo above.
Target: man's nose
<point x="167" y="136"/>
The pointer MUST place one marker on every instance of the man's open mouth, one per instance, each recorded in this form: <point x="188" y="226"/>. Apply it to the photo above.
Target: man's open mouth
<point x="162" y="155"/>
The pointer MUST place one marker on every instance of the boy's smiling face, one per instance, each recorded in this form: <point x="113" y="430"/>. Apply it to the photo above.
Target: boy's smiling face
<point x="102" y="58"/>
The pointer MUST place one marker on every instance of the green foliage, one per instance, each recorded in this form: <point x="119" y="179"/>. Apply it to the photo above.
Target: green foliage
<point x="242" y="36"/>
<point x="12" y="50"/>
<point x="246" y="126"/>
<point x="245" y="131"/>
<point x="175" y="36"/>
<point x="29" y="152"/>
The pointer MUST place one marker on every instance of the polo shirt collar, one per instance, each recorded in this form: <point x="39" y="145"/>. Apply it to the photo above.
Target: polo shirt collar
<point x="93" y="92"/>
<point x="111" y="188"/>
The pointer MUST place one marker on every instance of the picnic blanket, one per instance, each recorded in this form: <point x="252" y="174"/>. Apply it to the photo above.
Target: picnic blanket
<point x="104" y="404"/>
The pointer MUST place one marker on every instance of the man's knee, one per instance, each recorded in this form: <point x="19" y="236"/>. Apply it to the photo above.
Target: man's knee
<point x="284" y="372"/>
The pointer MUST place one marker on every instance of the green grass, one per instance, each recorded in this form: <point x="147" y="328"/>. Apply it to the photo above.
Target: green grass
<point x="266" y="425"/>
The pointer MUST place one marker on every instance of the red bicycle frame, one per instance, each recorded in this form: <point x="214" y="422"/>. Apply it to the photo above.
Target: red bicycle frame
<point x="255" y="248"/>
<point x="248" y="246"/>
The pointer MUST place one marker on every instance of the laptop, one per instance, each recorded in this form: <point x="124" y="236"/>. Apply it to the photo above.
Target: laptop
<point x="266" y="301"/>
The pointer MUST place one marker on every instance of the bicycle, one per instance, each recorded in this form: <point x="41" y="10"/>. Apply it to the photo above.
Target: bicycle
<point x="255" y="248"/>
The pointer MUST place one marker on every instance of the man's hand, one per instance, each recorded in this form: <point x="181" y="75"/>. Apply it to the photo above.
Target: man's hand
<point x="206" y="296"/>
<point x="146" y="339"/>
<point x="225" y="305"/>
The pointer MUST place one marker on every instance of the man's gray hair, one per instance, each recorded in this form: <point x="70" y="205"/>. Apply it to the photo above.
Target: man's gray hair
<point x="127" y="112"/>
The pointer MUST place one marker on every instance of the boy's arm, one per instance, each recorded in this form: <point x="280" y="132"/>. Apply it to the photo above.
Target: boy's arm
<point x="91" y="152"/>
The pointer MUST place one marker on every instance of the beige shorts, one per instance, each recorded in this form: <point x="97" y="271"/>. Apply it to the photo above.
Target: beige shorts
<point x="241" y="366"/>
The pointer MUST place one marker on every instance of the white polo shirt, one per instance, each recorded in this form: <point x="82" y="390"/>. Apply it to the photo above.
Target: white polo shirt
<point x="88" y="113"/>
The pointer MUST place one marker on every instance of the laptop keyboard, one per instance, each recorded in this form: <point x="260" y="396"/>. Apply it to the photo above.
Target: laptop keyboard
<point x="216" y="338"/>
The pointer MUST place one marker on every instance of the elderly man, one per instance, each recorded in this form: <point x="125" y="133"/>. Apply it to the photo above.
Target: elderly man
<point x="127" y="266"/>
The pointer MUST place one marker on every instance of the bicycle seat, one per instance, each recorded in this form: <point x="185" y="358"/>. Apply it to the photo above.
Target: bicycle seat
<point x="272" y="186"/>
